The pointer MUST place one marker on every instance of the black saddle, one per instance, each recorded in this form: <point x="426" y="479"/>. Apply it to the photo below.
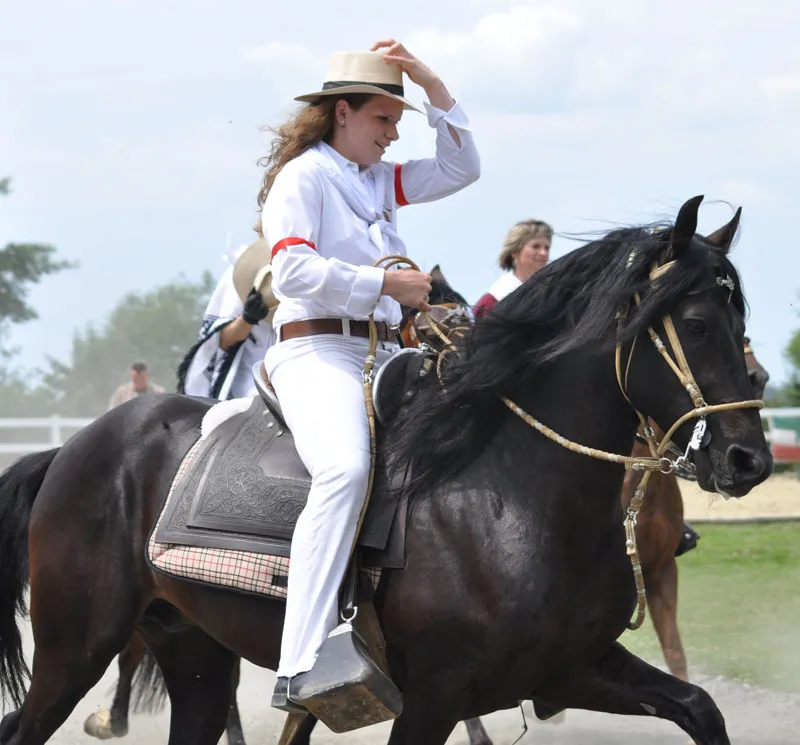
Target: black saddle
<point x="247" y="486"/>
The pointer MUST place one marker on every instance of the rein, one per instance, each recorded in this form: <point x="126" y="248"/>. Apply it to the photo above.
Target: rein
<point x="367" y="374"/>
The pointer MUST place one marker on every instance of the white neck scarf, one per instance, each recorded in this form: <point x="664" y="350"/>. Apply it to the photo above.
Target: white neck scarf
<point x="366" y="199"/>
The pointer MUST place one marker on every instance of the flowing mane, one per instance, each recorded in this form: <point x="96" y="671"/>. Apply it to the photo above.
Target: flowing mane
<point x="569" y="305"/>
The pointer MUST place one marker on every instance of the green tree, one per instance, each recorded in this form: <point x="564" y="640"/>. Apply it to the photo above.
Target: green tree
<point x="156" y="327"/>
<point x="22" y="265"/>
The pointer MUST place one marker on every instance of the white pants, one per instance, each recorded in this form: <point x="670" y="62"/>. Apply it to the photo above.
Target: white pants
<point x="319" y="385"/>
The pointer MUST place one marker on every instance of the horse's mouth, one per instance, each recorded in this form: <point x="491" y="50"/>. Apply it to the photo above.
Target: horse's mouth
<point x="717" y="478"/>
<point x="720" y="484"/>
<point x="724" y="494"/>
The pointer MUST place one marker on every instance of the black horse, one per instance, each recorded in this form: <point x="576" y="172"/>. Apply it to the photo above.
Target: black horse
<point x="517" y="583"/>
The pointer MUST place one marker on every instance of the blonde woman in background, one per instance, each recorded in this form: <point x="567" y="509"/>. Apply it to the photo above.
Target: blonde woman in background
<point x="526" y="250"/>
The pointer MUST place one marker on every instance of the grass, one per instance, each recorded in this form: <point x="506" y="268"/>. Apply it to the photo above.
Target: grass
<point x="738" y="605"/>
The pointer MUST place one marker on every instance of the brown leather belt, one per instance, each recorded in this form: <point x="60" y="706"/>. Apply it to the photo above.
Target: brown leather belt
<point x="314" y="326"/>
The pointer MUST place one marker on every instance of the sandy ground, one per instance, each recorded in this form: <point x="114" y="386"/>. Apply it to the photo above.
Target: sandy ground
<point x="778" y="496"/>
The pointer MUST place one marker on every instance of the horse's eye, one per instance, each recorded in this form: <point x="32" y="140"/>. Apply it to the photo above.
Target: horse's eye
<point x="695" y="326"/>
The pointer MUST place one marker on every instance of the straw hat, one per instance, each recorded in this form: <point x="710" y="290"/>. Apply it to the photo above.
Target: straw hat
<point x="361" y="72"/>
<point x="252" y="270"/>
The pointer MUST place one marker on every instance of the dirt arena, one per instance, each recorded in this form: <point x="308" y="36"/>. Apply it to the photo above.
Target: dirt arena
<point x="754" y="717"/>
<point x="778" y="496"/>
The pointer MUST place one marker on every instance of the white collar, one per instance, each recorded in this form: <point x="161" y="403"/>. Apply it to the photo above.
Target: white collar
<point x="505" y="285"/>
<point x="342" y="162"/>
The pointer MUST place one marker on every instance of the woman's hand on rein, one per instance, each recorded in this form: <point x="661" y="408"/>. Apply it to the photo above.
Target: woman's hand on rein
<point x="409" y="287"/>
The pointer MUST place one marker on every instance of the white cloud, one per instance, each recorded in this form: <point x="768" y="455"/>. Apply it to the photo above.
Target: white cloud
<point x="679" y="57"/>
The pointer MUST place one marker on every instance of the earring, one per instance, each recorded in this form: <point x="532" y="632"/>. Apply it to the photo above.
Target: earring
<point x="341" y="122"/>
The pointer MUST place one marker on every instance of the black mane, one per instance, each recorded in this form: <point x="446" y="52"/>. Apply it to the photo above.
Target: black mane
<point x="569" y="305"/>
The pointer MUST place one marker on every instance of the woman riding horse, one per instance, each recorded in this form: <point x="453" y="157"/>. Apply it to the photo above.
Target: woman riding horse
<point x="516" y="583"/>
<point x="329" y="213"/>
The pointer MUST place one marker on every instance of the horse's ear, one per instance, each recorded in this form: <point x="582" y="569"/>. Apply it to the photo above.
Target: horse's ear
<point x="723" y="238"/>
<point x="685" y="225"/>
<point x="436" y="273"/>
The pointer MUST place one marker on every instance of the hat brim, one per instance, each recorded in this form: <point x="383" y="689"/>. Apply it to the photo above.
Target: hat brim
<point x="360" y="88"/>
<point x="252" y="269"/>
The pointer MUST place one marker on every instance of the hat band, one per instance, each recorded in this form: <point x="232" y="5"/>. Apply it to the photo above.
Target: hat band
<point x="395" y="90"/>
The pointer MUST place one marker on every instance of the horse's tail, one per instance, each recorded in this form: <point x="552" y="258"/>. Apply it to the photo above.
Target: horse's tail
<point x="18" y="488"/>
<point x="149" y="686"/>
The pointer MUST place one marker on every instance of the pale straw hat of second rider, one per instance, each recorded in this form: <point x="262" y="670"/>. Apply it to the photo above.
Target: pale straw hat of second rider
<point x="361" y="72"/>
<point x="252" y="270"/>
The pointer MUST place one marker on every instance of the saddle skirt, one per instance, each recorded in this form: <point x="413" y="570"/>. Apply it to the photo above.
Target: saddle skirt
<point x="242" y="487"/>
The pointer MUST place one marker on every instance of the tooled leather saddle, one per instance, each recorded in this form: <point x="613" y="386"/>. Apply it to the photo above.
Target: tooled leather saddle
<point x="247" y="485"/>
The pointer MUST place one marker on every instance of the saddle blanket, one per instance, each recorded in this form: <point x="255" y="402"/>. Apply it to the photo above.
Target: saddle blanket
<point x="246" y="571"/>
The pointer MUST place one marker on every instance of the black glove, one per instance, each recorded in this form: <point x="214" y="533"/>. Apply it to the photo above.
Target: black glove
<point x="254" y="308"/>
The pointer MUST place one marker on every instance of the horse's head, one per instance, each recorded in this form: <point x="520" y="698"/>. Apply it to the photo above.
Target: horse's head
<point x="449" y="312"/>
<point x="695" y="371"/>
<point x="759" y="377"/>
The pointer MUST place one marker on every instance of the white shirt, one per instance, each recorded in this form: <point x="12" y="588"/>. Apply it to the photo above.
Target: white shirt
<point x="505" y="285"/>
<point x="322" y="255"/>
<point x="225" y="305"/>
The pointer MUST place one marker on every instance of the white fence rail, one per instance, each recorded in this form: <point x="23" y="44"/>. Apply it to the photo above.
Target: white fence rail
<point x="55" y="430"/>
<point x="51" y="431"/>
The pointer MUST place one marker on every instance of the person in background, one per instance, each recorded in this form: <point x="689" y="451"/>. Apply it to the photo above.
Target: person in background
<point x="139" y="385"/>
<point x="236" y="331"/>
<point x="526" y="250"/>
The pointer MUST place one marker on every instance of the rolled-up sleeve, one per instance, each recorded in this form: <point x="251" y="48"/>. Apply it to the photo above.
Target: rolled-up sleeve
<point x="290" y="220"/>
<point x="455" y="165"/>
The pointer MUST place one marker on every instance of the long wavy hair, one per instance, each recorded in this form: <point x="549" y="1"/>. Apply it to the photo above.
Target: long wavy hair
<point x="313" y="123"/>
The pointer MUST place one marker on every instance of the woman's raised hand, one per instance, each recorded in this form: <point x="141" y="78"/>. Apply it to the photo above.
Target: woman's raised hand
<point x="397" y="54"/>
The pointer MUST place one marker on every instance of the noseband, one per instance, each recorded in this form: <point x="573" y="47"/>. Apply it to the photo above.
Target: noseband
<point x="680" y="366"/>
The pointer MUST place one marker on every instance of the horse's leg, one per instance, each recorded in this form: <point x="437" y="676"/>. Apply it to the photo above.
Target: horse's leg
<point x="199" y="674"/>
<point x="107" y="723"/>
<point x="233" y="727"/>
<point x="430" y="714"/>
<point x="62" y="675"/>
<point x="297" y="729"/>
<point x="77" y="633"/>
<point x="662" y="600"/>
<point x="477" y="732"/>
<point x="621" y="683"/>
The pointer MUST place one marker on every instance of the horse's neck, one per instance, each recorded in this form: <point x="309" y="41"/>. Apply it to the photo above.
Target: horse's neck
<point x="578" y="398"/>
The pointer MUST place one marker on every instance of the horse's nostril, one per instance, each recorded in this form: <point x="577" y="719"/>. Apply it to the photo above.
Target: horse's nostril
<point x="745" y="462"/>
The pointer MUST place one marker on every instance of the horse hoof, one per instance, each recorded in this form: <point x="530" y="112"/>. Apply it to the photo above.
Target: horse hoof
<point x="99" y="725"/>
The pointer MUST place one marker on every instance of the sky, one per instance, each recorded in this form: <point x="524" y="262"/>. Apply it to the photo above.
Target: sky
<point x="131" y="130"/>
